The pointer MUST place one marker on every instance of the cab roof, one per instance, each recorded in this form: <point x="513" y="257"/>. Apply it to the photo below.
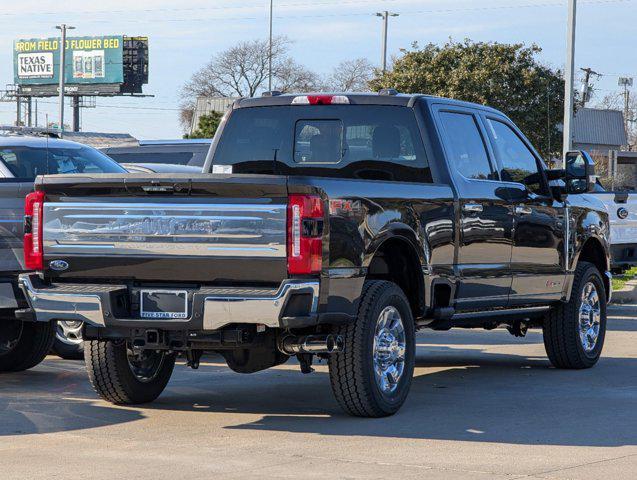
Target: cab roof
<point x="385" y="97"/>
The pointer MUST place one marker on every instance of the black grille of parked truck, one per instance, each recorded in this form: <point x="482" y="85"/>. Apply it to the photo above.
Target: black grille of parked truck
<point x="330" y="226"/>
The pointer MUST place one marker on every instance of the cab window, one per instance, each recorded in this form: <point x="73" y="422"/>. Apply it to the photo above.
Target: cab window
<point x="370" y="142"/>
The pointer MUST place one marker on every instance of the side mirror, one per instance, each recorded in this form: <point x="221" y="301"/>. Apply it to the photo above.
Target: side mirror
<point x="579" y="172"/>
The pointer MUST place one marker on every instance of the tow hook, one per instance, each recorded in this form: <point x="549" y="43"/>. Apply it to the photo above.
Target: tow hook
<point x="518" y="329"/>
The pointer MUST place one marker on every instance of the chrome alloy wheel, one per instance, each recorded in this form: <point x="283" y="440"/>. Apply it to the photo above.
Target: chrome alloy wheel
<point x="389" y="349"/>
<point x="589" y="317"/>
<point x="69" y="332"/>
<point x="145" y="364"/>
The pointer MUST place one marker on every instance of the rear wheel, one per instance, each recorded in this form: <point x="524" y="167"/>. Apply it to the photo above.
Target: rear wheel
<point x="23" y="345"/>
<point x="574" y="332"/>
<point x="372" y="376"/>
<point x="69" y="343"/>
<point x="122" y="376"/>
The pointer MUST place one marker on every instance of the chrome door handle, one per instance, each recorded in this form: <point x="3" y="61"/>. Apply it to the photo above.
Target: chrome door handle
<point x="523" y="210"/>
<point x="472" y="208"/>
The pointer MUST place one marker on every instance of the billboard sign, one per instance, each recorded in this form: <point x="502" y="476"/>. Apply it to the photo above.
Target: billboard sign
<point x="88" y="60"/>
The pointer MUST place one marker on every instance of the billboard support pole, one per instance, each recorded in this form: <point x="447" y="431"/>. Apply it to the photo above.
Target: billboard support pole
<point x="18" y="121"/>
<point x="63" y="28"/>
<point x="75" y="103"/>
<point x="29" y="112"/>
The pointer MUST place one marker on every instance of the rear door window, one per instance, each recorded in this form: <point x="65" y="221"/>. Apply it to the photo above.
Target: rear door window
<point x="468" y="153"/>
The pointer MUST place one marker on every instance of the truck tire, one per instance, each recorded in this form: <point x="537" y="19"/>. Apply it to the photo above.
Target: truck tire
<point x="68" y="344"/>
<point x="574" y="332"/>
<point x="122" y="378"/>
<point x="23" y="345"/>
<point x="372" y="376"/>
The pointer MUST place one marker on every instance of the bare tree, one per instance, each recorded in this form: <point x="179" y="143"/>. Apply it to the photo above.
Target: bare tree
<point x="292" y="77"/>
<point x="242" y="71"/>
<point x="351" y="76"/>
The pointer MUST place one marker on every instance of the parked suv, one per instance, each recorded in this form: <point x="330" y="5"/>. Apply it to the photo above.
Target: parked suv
<point x="331" y="226"/>
<point x="23" y="344"/>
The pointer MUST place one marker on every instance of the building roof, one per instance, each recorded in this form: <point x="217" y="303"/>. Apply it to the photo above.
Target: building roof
<point x="595" y="126"/>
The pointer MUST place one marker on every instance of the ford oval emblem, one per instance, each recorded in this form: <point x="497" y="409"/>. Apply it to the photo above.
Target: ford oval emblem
<point x="58" y="265"/>
<point x="622" y="213"/>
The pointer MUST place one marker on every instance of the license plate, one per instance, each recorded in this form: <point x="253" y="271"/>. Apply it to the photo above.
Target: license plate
<point x="164" y="304"/>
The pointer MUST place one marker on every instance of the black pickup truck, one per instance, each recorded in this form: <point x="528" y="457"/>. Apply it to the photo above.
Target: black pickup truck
<point x="329" y="226"/>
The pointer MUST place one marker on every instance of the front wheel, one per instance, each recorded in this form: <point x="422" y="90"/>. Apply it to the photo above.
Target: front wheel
<point x="372" y="376"/>
<point x="125" y="377"/>
<point x="574" y="332"/>
<point x="23" y="345"/>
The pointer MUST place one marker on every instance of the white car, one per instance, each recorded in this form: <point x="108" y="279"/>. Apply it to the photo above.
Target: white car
<point x="622" y="212"/>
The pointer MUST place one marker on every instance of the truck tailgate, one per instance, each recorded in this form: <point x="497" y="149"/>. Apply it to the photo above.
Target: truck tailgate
<point x="166" y="228"/>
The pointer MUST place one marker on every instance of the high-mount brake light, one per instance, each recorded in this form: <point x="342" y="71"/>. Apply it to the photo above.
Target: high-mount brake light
<point x="320" y="100"/>
<point x="305" y="234"/>
<point x="33" y="254"/>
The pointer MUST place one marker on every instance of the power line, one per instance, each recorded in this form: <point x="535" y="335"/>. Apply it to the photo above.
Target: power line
<point x="126" y="107"/>
<point x="198" y="9"/>
<point x="326" y="15"/>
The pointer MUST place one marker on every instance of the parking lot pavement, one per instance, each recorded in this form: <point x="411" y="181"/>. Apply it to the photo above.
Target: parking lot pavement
<point x="483" y="405"/>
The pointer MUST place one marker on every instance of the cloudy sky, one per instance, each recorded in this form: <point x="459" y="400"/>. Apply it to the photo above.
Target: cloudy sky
<point x="324" y="32"/>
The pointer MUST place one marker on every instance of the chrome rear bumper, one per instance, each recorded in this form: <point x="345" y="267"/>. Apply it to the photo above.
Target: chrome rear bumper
<point x="211" y="308"/>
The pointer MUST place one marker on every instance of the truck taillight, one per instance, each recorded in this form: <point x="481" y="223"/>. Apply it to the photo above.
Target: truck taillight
<point x="33" y="206"/>
<point x="305" y="234"/>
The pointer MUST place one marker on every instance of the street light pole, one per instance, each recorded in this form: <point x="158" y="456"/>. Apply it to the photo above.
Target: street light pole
<point x="626" y="82"/>
<point x="569" y="77"/>
<point x="385" y="16"/>
<point x="270" y="48"/>
<point x="63" y="28"/>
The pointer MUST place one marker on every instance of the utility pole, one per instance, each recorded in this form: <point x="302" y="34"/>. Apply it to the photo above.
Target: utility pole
<point x="270" y="47"/>
<point x="587" y="89"/>
<point x="626" y="82"/>
<point x="569" y="77"/>
<point x="385" y="16"/>
<point x="63" y="28"/>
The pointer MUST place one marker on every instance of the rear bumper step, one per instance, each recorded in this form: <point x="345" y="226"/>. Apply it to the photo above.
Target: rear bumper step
<point x="211" y="308"/>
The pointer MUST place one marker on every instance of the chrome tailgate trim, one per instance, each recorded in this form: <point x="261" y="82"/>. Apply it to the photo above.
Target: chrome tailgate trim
<point x="165" y="229"/>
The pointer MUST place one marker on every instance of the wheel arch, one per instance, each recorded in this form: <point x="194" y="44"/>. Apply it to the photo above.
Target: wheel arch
<point x="397" y="258"/>
<point x="593" y="251"/>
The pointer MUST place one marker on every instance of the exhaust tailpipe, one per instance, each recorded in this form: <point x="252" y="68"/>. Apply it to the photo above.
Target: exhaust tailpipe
<point x="292" y="345"/>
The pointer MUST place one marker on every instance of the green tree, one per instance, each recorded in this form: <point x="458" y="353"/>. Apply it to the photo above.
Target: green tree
<point x="504" y="76"/>
<point x="207" y="127"/>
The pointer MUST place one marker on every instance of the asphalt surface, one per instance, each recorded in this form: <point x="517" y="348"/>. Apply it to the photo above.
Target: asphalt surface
<point x="483" y="405"/>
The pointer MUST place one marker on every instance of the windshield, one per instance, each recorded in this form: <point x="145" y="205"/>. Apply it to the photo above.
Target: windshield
<point x="370" y="142"/>
<point x="28" y="162"/>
